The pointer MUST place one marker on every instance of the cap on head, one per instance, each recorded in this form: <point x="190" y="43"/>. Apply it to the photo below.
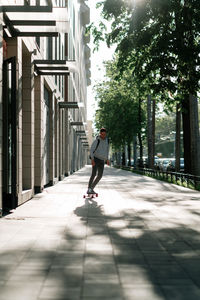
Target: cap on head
<point x="102" y="129"/>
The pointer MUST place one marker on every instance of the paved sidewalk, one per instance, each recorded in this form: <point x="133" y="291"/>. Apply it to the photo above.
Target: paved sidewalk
<point x="139" y="240"/>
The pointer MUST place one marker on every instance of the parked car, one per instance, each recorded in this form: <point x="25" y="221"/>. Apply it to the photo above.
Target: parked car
<point x="171" y="165"/>
<point x="182" y="165"/>
<point x="143" y="163"/>
<point x="164" y="164"/>
<point x="161" y="164"/>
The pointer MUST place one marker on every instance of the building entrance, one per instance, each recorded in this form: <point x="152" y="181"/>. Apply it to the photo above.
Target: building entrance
<point x="9" y="134"/>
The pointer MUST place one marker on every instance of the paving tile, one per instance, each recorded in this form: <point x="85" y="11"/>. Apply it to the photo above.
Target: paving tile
<point x="189" y="292"/>
<point x="71" y="244"/>
<point x="144" y="292"/>
<point x="59" y="293"/>
<point x="102" y="290"/>
<point x="63" y="280"/>
<point x="65" y="259"/>
<point x="127" y="249"/>
<point x="22" y="275"/>
<point x="99" y="267"/>
<point x="138" y="240"/>
<point x="20" y="290"/>
<point x="135" y="275"/>
<point x="98" y="238"/>
<point x="130" y="259"/>
<point x="158" y="257"/>
<point x="98" y="258"/>
<point x="103" y="249"/>
<point x="168" y="271"/>
<point x="102" y="278"/>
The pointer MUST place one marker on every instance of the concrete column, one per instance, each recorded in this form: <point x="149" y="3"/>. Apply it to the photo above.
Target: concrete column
<point x="1" y="117"/>
<point x="67" y="172"/>
<point x="52" y="141"/>
<point x="14" y="48"/>
<point x="38" y="164"/>
<point x="28" y="121"/>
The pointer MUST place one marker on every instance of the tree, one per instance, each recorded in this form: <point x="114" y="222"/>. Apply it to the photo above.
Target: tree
<point x="165" y="36"/>
<point x="118" y="106"/>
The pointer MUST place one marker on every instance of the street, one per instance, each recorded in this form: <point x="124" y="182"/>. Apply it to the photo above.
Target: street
<point x="138" y="240"/>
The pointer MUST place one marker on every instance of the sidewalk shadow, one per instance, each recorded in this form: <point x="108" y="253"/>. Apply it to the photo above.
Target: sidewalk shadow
<point x="89" y="209"/>
<point x="163" y="262"/>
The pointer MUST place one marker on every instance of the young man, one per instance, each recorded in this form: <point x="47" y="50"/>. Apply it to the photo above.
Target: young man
<point x="99" y="154"/>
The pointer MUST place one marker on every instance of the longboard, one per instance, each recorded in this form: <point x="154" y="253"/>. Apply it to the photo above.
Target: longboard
<point x="90" y="196"/>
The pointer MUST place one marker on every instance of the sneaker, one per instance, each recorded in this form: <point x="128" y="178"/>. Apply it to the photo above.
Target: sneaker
<point x="89" y="191"/>
<point x="93" y="192"/>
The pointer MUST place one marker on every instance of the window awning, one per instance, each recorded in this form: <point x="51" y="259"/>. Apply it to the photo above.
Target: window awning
<point x="80" y="132"/>
<point x="68" y="105"/>
<point x="54" y="67"/>
<point x="77" y="123"/>
<point x="17" y="6"/>
<point x="37" y="23"/>
<point x="53" y="73"/>
<point x="26" y="8"/>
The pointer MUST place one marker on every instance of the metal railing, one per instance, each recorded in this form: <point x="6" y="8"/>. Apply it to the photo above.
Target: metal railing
<point x="188" y="180"/>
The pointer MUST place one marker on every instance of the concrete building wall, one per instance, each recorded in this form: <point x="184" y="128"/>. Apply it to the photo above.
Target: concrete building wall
<point x="48" y="148"/>
<point x="1" y="114"/>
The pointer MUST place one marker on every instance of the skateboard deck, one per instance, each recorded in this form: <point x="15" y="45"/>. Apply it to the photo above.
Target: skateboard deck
<point x="90" y="196"/>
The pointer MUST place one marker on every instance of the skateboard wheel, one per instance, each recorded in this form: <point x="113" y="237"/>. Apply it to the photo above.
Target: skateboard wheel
<point x="96" y="195"/>
<point x="84" y="196"/>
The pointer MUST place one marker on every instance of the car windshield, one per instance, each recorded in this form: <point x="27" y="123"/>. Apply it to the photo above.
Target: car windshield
<point x="165" y="161"/>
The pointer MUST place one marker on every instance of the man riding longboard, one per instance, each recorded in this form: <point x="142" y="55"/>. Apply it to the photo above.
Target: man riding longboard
<point x="99" y="155"/>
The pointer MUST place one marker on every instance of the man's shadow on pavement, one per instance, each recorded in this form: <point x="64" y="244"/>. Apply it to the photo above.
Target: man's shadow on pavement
<point x="89" y="209"/>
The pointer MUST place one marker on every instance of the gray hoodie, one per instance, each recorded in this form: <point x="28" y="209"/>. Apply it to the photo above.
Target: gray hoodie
<point x="102" y="150"/>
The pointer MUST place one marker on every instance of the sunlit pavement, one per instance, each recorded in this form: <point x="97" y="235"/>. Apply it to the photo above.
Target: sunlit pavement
<point x="140" y="239"/>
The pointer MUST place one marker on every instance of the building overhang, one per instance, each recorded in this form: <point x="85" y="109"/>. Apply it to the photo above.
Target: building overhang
<point x="52" y="73"/>
<point x="54" y="67"/>
<point x="68" y="105"/>
<point x="38" y="23"/>
<point x="81" y="132"/>
<point x="77" y="123"/>
<point x="14" y="7"/>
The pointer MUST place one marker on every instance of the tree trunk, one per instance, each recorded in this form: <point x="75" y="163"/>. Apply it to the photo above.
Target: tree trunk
<point x="139" y="134"/>
<point x="150" y="133"/>
<point x="123" y="157"/>
<point x="186" y="134"/>
<point x="178" y="139"/>
<point x="135" y="151"/>
<point x="195" y="142"/>
<point x="129" y="154"/>
<point x="153" y="130"/>
<point x="141" y="150"/>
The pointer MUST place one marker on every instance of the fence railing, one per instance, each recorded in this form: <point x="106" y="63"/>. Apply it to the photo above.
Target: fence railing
<point x="188" y="180"/>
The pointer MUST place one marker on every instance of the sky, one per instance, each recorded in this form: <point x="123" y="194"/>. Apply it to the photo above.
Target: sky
<point x="97" y="58"/>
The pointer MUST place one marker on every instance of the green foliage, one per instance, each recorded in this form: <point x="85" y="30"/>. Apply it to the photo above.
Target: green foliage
<point x="118" y="106"/>
<point x="165" y="125"/>
<point x="97" y="33"/>
<point x="165" y="35"/>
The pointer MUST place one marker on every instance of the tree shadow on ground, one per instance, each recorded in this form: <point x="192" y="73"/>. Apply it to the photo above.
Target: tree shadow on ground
<point x="160" y="263"/>
<point x="105" y="257"/>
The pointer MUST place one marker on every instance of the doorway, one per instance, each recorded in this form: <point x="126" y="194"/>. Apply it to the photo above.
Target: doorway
<point x="9" y="148"/>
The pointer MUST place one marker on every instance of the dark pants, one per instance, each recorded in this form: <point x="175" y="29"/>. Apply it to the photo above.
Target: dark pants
<point x="97" y="169"/>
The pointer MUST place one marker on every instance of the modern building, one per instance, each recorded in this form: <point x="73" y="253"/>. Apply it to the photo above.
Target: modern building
<point x="44" y="74"/>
